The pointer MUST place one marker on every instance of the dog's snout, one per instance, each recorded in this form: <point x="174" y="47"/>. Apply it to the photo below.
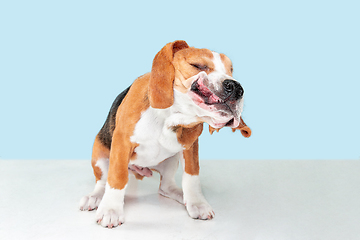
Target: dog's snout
<point x="232" y="90"/>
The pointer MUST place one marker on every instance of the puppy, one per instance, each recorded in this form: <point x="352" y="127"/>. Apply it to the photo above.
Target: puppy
<point x="156" y="122"/>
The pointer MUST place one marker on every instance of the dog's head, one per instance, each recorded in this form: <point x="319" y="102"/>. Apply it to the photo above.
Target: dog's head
<point x="203" y="80"/>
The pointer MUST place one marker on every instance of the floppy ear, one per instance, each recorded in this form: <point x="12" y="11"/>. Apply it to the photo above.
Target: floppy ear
<point x="161" y="92"/>
<point x="244" y="129"/>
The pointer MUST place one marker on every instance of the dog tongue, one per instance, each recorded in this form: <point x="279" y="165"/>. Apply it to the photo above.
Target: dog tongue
<point x="212" y="98"/>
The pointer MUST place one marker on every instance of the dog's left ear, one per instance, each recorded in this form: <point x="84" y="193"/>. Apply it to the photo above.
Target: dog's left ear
<point x="161" y="92"/>
<point x="244" y="129"/>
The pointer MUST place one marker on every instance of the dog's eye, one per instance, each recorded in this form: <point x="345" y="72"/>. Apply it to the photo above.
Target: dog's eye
<point x="199" y="66"/>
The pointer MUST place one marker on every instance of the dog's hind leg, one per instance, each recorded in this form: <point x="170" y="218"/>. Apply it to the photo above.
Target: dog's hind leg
<point x="100" y="164"/>
<point x="168" y="187"/>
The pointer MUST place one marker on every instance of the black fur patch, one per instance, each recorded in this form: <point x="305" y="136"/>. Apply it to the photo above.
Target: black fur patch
<point x="106" y="132"/>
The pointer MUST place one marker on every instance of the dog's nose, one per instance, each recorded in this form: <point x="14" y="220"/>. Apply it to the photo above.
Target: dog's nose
<point x="232" y="90"/>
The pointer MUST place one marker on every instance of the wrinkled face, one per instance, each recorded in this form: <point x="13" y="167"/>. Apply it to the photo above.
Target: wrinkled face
<point x="205" y="78"/>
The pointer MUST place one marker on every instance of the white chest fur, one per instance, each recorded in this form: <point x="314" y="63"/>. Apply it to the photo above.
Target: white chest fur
<point x="156" y="140"/>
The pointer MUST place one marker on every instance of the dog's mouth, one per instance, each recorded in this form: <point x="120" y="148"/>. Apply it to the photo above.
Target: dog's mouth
<point x="205" y="98"/>
<point x="205" y="94"/>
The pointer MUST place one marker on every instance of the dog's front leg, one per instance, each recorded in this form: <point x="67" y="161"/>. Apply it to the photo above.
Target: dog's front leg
<point x="111" y="209"/>
<point x="194" y="200"/>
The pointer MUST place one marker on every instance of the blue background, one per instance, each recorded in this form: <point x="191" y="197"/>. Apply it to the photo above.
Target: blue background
<point x="62" y="63"/>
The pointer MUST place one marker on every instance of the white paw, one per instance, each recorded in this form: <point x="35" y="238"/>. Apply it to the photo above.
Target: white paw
<point x="200" y="210"/>
<point x="90" y="202"/>
<point x="110" y="212"/>
<point x="173" y="192"/>
<point x="195" y="202"/>
<point x="109" y="217"/>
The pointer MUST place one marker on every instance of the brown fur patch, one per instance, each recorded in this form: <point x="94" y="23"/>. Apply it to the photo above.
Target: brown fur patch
<point x="227" y="64"/>
<point x="191" y="157"/>
<point x="128" y="114"/>
<point x="244" y="129"/>
<point x="183" y="68"/>
<point x="161" y="93"/>
<point x="187" y="135"/>
<point x="99" y="152"/>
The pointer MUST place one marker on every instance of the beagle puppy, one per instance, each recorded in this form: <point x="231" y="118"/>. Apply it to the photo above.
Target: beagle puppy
<point x="156" y="122"/>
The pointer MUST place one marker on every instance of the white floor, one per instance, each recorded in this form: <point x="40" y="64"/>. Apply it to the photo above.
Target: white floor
<point x="253" y="200"/>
